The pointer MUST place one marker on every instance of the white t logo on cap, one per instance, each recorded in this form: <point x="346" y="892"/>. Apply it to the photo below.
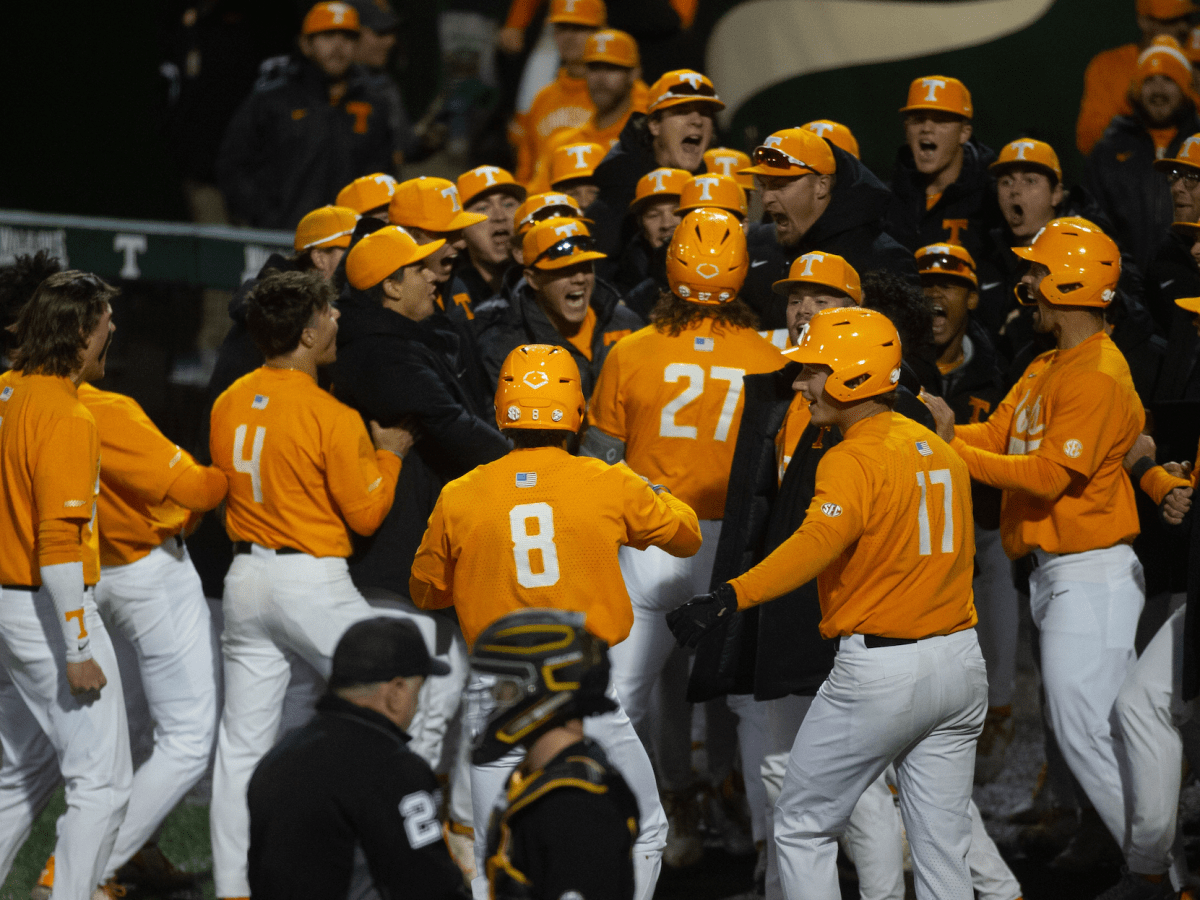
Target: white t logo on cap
<point x="1186" y="150"/>
<point x="488" y="172"/>
<point x="580" y="154"/>
<point x="569" y="6"/>
<point x="554" y="200"/>
<point x="692" y="78"/>
<point x="706" y="182"/>
<point x="809" y="259"/>
<point x="386" y="180"/>
<point x="452" y="193"/>
<point x="940" y="248"/>
<point x="773" y="141"/>
<point x="338" y="11"/>
<point x="726" y="163"/>
<point x="933" y="84"/>
<point x="821" y="128"/>
<point x="1021" y="147"/>
<point x="567" y="230"/>
<point x="657" y="177"/>
<point x="602" y="40"/>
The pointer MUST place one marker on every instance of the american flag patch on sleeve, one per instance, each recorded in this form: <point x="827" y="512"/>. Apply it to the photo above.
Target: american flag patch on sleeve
<point x="924" y="449"/>
<point x="526" y="479"/>
<point x="260" y="401"/>
<point x="705" y="344"/>
<point x="6" y="393"/>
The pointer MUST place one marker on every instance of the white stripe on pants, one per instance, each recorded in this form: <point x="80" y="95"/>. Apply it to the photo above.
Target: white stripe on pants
<point x="613" y="732"/>
<point x="45" y="734"/>
<point x="276" y="607"/>
<point x="155" y="606"/>
<point x="918" y="705"/>
<point x="1086" y="607"/>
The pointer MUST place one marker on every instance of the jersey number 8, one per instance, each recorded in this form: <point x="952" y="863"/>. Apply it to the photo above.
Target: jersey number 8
<point x="535" y="550"/>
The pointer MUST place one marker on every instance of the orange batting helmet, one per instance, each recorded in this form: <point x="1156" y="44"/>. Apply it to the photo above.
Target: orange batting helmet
<point x="860" y="345"/>
<point x="539" y="388"/>
<point x="707" y="261"/>
<point x="1084" y="264"/>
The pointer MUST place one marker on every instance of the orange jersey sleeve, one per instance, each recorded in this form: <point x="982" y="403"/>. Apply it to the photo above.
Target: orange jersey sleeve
<point x="1078" y="409"/>
<point x="139" y="468"/>
<point x="301" y="467"/>
<point x="50" y="468"/>
<point x="1105" y="93"/>
<point x="1157" y="483"/>
<point x="541" y="528"/>
<point x="676" y="403"/>
<point x="890" y="533"/>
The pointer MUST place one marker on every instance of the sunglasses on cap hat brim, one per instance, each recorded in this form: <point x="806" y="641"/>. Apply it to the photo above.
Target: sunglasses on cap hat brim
<point x="944" y="264"/>
<point x="773" y="161"/>
<point x="550" y="212"/>
<point x="686" y="90"/>
<point x="568" y="251"/>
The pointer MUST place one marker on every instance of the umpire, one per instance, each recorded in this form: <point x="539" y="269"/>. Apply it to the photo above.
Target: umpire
<point x="346" y="786"/>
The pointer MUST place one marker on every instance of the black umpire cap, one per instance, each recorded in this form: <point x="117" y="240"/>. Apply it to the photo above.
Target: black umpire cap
<point x="381" y="649"/>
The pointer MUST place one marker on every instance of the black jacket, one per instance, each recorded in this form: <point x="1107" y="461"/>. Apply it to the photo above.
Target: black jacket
<point x="1179" y="378"/>
<point x="971" y="199"/>
<point x="390" y="368"/>
<point x="851" y="227"/>
<point x="505" y="324"/>
<point x="774" y="649"/>
<point x="346" y="781"/>
<point x="288" y="151"/>
<point x="1121" y="176"/>
<point x="568" y="830"/>
<point x="640" y="274"/>
<point x="1172" y="275"/>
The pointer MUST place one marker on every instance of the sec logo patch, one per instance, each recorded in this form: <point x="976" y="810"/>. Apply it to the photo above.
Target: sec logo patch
<point x="1072" y="448"/>
<point x="832" y="510"/>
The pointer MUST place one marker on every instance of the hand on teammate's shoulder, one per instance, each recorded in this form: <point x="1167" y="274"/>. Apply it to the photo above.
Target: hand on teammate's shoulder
<point x="397" y="439"/>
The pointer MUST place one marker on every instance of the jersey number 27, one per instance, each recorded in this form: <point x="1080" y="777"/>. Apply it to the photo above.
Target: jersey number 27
<point x="694" y="375"/>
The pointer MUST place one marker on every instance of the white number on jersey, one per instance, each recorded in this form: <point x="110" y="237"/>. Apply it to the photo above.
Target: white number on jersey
<point x="525" y="544"/>
<point x="419" y="813"/>
<point x="249" y="466"/>
<point x="695" y="387"/>
<point x="942" y="477"/>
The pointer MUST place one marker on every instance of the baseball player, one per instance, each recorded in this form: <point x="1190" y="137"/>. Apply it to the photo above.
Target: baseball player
<point x="62" y="714"/>
<point x="834" y="132"/>
<point x="887" y="538"/>
<point x="492" y="192"/>
<point x="639" y="273"/>
<point x="669" y="403"/>
<point x="1055" y="446"/>
<point x="572" y="167"/>
<point x="369" y="196"/>
<point x="541" y="528"/>
<point x="566" y="825"/>
<point x="302" y="474"/>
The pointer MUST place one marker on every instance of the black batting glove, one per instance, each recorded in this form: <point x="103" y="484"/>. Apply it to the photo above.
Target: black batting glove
<point x="702" y="614"/>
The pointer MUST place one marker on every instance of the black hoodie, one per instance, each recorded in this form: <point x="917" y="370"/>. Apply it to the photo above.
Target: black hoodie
<point x="851" y="227"/>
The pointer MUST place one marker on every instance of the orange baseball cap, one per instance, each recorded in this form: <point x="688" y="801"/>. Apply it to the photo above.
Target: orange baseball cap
<point x="939" y="92"/>
<point x="825" y="269"/>
<point x="729" y="162"/>
<point x="572" y="161"/>
<point x="659" y="183"/>
<point x="1165" y="9"/>
<point x="1188" y="156"/>
<point x="713" y="192"/>
<point x="794" y="152"/>
<point x="611" y="46"/>
<point x="482" y="180"/>
<point x="329" y="226"/>
<point x="1027" y="152"/>
<point x="836" y="133"/>
<point x="557" y="243"/>
<point x="682" y="86"/>
<point x="1164" y="56"/>
<point x="1191" y="304"/>
<point x="431" y="204"/>
<point x="947" y="259"/>
<point x="368" y="193"/>
<point x="578" y="12"/>
<point x="382" y="253"/>
<point x="1190" y="229"/>
<point x="540" y="207"/>
<point x="330" y="17"/>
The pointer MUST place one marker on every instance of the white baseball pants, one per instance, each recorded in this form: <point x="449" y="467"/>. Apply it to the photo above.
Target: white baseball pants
<point x="1086" y="607"/>
<point x="47" y="735"/>
<point x="276" y="607"/>
<point x="625" y="751"/>
<point x="155" y="607"/>
<point x="996" y="604"/>
<point x="920" y="706"/>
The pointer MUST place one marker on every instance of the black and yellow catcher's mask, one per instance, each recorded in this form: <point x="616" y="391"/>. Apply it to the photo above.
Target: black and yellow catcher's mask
<point x="531" y="670"/>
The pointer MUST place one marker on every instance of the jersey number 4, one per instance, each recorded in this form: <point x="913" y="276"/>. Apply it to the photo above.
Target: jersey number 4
<point x="534" y="551"/>
<point x="695" y="387"/>
<point x="942" y="477"/>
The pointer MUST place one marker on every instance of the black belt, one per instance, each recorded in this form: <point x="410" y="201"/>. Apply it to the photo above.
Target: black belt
<point x="240" y="547"/>
<point x="32" y="589"/>
<point x="873" y="641"/>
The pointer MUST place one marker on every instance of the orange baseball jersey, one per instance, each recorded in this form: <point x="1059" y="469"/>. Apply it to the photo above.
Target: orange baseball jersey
<point x="49" y="468"/>
<point x="300" y="465"/>
<point x="888" y="536"/>
<point x="562" y="104"/>
<point x="139" y="466"/>
<point x="1076" y="408"/>
<point x="794" y="422"/>
<point x="676" y="403"/>
<point x="541" y="528"/>
<point x="1106" y="84"/>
